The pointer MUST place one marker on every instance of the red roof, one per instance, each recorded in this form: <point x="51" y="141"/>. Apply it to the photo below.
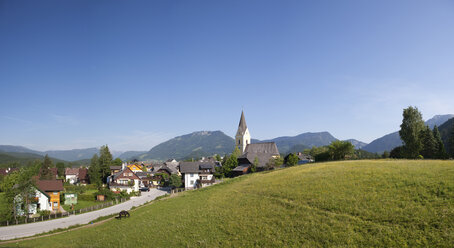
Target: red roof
<point x="83" y="174"/>
<point x="50" y="185"/>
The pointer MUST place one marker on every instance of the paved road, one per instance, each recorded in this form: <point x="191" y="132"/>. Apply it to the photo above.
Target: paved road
<point x="26" y="230"/>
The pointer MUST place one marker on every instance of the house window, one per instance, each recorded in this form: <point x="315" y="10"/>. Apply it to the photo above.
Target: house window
<point x="191" y="182"/>
<point x="191" y="175"/>
<point x="55" y="193"/>
<point x="56" y="204"/>
<point x="239" y="142"/>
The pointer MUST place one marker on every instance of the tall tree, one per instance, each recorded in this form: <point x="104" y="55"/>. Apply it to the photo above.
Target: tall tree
<point x="440" y="147"/>
<point x="255" y="164"/>
<point x="94" y="171"/>
<point x="60" y="169"/>
<point x="117" y="162"/>
<point x="429" y="145"/>
<point x="412" y="125"/>
<point x="451" y="142"/>
<point x="44" y="172"/>
<point x="105" y="161"/>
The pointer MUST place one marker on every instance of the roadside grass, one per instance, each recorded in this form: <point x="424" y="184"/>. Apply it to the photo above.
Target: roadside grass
<point x="390" y="203"/>
<point x="81" y="204"/>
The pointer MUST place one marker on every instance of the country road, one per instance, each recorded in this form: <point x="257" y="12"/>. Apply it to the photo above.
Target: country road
<point x="26" y="230"/>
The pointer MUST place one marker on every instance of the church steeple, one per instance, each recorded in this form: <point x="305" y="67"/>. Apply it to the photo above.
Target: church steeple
<point x="242" y="137"/>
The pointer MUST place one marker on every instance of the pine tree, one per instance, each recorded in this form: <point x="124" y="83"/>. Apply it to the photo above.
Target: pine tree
<point x="105" y="161"/>
<point x="44" y="172"/>
<point x="429" y="144"/>
<point x="451" y="142"/>
<point x="410" y="129"/>
<point x="440" y="147"/>
<point x="94" y="171"/>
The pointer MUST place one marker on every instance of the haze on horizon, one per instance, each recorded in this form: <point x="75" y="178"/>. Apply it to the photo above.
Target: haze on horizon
<point x="132" y="74"/>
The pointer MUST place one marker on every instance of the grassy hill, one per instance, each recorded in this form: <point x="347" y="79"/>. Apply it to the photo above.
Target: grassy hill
<point x="7" y="159"/>
<point x="349" y="204"/>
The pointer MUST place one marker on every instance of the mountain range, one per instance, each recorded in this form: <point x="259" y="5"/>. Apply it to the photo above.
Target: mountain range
<point x="207" y="143"/>
<point x="392" y="140"/>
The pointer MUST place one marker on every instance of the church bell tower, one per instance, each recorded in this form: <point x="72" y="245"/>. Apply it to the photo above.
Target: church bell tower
<point x="242" y="137"/>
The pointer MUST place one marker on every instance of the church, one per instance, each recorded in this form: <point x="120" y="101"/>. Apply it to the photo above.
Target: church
<point x="262" y="151"/>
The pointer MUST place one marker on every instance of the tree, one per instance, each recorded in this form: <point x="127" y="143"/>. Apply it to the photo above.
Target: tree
<point x="385" y="154"/>
<point x="273" y="163"/>
<point x="229" y="165"/>
<point x="94" y="171"/>
<point x="218" y="158"/>
<point x="236" y="152"/>
<point x="440" y="147"/>
<point x="410" y="129"/>
<point x="117" y="162"/>
<point x="397" y="152"/>
<point x="429" y="145"/>
<point x="291" y="159"/>
<point x="61" y="169"/>
<point x="451" y="142"/>
<point x="44" y="172"/>
<point x="105" y="161"/>
<point x="175" y="181"/>
<point x="255" y="165"/>
<point x="340" y="149"/>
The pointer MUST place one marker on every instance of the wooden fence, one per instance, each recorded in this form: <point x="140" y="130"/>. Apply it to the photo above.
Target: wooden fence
<point x="60" y="215"/>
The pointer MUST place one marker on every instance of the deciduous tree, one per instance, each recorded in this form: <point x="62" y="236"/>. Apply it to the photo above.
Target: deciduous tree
<point x="428" y="142"/>
<point x="410" y="129"/>
<point x="105" y="161"/>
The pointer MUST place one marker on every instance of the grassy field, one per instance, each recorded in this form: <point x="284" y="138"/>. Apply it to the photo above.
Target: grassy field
<point x="349" y="204"/>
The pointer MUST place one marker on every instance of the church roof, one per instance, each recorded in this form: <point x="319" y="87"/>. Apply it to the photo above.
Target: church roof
<point x="242" y="126"/>
<point x="265" y="147"/>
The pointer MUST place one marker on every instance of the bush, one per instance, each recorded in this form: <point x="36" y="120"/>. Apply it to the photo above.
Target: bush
<point x="86" y="197"/>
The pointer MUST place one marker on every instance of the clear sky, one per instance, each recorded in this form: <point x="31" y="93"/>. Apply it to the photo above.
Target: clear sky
<point x="131" y="74"/>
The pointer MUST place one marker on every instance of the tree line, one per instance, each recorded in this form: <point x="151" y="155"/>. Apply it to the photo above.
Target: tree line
<point x="419" y="141"/>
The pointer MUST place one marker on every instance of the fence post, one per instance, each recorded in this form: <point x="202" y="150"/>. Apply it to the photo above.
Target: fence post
<point x="16" y="221"/>
<point x="7" y="223"/>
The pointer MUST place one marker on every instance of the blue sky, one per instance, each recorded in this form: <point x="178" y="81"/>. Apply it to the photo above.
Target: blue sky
<point x="131" y="74"/>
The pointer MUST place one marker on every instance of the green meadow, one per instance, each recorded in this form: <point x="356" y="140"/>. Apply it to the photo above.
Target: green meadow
<point x="383" y="203"/>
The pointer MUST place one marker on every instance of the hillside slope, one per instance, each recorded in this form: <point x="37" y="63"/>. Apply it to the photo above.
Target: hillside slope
<point x="287" y="144"/>
<point x="348" y="204"/>
<point x="203" y="143"/>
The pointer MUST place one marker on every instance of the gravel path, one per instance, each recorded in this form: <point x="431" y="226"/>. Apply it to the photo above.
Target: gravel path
<point x="26" y="230"/>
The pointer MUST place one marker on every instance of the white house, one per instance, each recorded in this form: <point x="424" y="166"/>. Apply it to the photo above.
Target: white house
<point x="125" y="180"/>
<point x="197" y="174"/>
<point x="72" y="175"/>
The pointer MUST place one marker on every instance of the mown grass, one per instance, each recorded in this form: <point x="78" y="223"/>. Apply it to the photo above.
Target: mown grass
<point x="349" y="204"/>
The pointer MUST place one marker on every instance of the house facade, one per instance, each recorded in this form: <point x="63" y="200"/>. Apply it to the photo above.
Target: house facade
<point x="197" y="174"/>
<point x="72" y="175"/>
<point x="125" y="180"/>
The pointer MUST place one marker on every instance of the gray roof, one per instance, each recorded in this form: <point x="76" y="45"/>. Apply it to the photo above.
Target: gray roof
<point x="266" y="147"/>
<point x="242" y="125"/>
<point x="194" y="167"/>
<point x="249" y="157"/>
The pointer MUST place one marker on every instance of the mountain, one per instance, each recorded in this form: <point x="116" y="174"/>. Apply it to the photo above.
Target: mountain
<point x="392" y="140"/>
<point x="8" y="148"/>
<point x="130" y="155"/>
<point x="74" y="154"/>
<point x="22" y="158"/>
<point x="203" y="143"/>
<point x="287" y="144"/>
<point x="358" y="144"/>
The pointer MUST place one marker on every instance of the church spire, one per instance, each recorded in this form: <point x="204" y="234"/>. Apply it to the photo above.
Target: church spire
<point x="242" y="138"/>
<point x="242" y="126"/>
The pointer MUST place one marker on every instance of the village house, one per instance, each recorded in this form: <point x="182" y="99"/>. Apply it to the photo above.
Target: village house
<point x="46" y="197"/>
<point x="77" y="176"/>
<point x="197" y="174"/>
<point x="72" y="175"/>
<point x="114" y="169"/>
<point x="125" y="180"/>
